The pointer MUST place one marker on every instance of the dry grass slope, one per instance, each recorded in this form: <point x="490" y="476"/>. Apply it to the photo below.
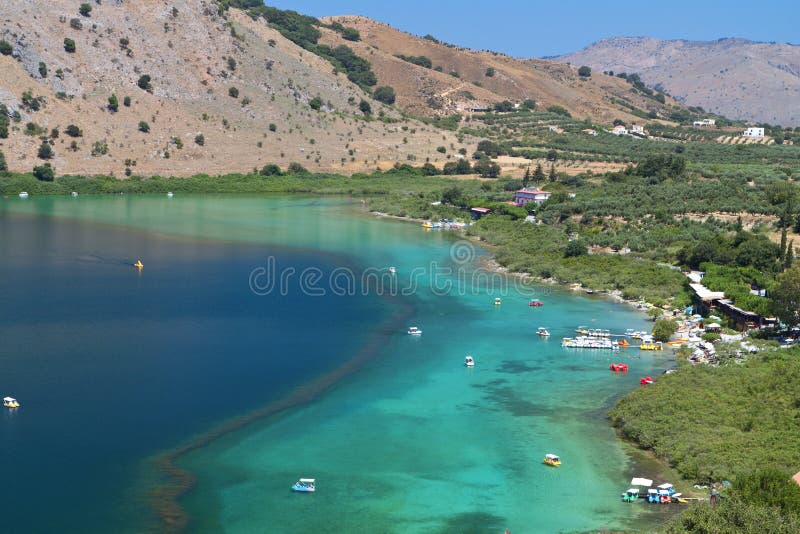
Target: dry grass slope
<point x="184" y="45"/>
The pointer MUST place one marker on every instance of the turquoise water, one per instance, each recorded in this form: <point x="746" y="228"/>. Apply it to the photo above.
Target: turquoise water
<point x="405" y="440"/>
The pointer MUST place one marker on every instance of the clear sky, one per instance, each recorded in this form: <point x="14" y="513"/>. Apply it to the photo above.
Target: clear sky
<point x="534" y="28"/>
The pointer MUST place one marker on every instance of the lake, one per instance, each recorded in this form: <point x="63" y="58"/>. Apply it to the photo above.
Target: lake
<point x="265" y="340"/>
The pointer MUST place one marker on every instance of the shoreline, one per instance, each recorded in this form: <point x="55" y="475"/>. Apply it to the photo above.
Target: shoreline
<point x="639" y="457"/>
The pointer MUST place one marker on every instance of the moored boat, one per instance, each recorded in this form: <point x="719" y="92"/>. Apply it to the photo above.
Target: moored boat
<point x="619" y="367"/>
<point x="24" y="194"/>
<point x="10" y="402"/>
<point x="535" y="303"/>
<point x="305" y="485"/>
<point x="414" y="331"/>
<point x="469" y="361"/>
<point x="170" y="195"/>
<point x="393" y="270"/>
<point x="542" y="331"/>
<point x="497" y="301"/>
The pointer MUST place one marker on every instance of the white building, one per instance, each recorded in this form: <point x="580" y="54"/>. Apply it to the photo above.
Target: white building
<point x="619" y="130"/>
<point x="755" y="133"/>
<point x="637" y="129"/>
<point x="705" y="122"/>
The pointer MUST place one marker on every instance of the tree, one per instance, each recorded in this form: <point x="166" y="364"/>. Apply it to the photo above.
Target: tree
<point x="663" y="330"/>
<point x="45" y="173"/>
<point x="365" y="108"/>
<point x="576" y="247"/>
<point x="429" y="170"/>
<point x="126" y="101"/>
<point x="526" y="179"/>
<point x="85" y="10"/>
<point x="584" y="71"/>
<point x="233" y="92"/>
<point x="5" y="48"/>
<point x="113" y="103"/>
<point x="144" y="82"/>
<point x="43" y="69"/>
<point x="529" y="104"/>
<point x="786" y="296"/>
<point x="69" y="45"/>
<point x="200" y="139"/>
<point x="490" y="72"/>
<point x="538" y="174"/>
<point x="144" y="127"/>
<point x="385" y="94"/>
<point x="486" y="168"/>
<point x="553" y="177"/>
<point x="270" y="169"/>
<point x="231" y="64"/>
<point x="296" y="168"/>
<point x="3" y="164"/>
<point x="453" y="196"/>
<point x="351" y="34"/>
<point x="45" y="151"/>
<point x="73" y="131"/>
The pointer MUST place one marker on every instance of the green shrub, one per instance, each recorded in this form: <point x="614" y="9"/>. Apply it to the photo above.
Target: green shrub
<point x="233" y="92"/>
<point x="200" y="139"/>
<point x="85" y="10"/>
<point x="144" y="82"/>
<point x="144" y="127"/>
<point x="5" y="48"/>
<point x="385" y="94"/>
<point x="69" y="45"/>
<point x="44" y="173"/>
<point x="126" y="101"/>
<point x="45" y="151"/>
<point x="73" y="131"/>
<point x="3" y="164"/>
<point x="584" y="71"/>
<point x="490" y="72"/>
<point x="42" y="69"/>
<point x="271" y="169"/>
<point x="364" y="107"/>
<point x="113" y="103"/>
<point x="315" y="103"/>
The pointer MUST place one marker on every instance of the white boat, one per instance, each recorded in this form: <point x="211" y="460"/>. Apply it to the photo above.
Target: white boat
<point x="24" y="194"/>
<point x="542" y="331"/>
<point x="414" y="331"/>
<point x="170" y="195"/>
<point x="305" y="485"/>
<point x="10" y="402"/>
<point x="587" y="342"/>
<point x="469" y="362"/>
<point x="74" y="194"/>
<point x="392" y="270"/>
<point x="497" y="301"/>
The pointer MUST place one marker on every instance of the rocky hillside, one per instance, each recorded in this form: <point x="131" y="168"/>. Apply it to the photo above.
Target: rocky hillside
<point x="734" y="77"/>
<point x="180" y="87"/>
<point x="452" y="79"/>
<point x="225" y="94"/>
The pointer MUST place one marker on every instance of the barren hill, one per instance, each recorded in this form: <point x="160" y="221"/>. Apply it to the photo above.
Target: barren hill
<point x="197" y="90"/>
<point x="737" y="78"/>
<point x="184" y="46"/>
<point x="461" y="81"/>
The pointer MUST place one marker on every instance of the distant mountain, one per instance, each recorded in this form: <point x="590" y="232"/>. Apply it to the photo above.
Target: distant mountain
<point x="737" y="78"/>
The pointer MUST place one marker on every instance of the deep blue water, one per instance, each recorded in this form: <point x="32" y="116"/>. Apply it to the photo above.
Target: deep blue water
<point x="112" y="366"/>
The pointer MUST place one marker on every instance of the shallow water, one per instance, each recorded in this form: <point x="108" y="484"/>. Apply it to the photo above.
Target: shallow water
<point x="114" y="366"/>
